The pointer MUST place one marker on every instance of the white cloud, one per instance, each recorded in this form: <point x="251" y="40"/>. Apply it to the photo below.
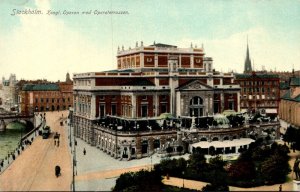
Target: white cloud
<point x="44" y="47"/>
<point x="230" y="53"/>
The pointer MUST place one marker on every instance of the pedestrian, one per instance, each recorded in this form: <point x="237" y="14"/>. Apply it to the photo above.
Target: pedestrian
<point x="280" y="187"/>
<point x="54" y="142"/>
<point x="57" y="143"/>
<point x="84" y="151"/>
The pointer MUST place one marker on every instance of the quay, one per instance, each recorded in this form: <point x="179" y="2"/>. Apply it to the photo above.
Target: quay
<point x="33" y="170"/>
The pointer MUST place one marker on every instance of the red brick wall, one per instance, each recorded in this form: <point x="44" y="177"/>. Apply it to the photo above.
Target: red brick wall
<point x="149" y="101"/>
<point x="164" y="81"/>
<point x="162" y="61"/>
<point x="216" y="81"/>
<point x="185" y="61"/>
<point x="198" y="62"/>
<point x="149" y="60"/>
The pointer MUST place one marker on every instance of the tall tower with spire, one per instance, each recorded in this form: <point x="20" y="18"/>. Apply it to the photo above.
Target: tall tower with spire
<point x="248" y="66"/>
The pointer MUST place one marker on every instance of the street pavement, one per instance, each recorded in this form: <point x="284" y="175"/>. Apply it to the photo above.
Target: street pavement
<point x="33" y="170"/>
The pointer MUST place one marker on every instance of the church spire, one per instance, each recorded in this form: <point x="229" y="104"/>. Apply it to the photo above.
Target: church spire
<point x="247" y="67"/>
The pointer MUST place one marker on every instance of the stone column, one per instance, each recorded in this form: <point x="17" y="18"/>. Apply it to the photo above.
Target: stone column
<point x="133" y="103"/>
<point x="93" y="107"/>
<point x="222" y="102"/>
<point x="151" y="145"/>
<point x="138" y="147"/>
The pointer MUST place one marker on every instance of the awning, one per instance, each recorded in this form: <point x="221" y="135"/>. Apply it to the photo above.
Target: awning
<point x="223" y="144"/>
<point x="271" y="110"/>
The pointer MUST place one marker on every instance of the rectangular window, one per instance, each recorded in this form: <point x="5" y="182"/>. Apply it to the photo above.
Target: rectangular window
<point x="163" y="108"/>
<point x="102" y="110"/>
<point x="114" y="109"/>
<point x="42" y="100"/>
<point x="52" y="100"/>
<point x="144" y="110"/>
<point x="36" y="100"/>
<point x="102" y="97"/>
<point x="231" y="105"/>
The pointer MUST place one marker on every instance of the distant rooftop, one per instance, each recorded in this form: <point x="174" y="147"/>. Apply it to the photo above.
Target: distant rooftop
<point x="40" y="87"/>
<point x="287" y="96"/>
<point x="163" y="45"/>
<point x="295" y="81"/>
<point x="263" y="76"/>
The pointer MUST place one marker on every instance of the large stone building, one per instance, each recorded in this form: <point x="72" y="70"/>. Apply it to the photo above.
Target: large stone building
<point x="149" y="81"/>
<point x="9" y="93"/>
<point x="46" y="96"/>
<point x="289" y="109"/>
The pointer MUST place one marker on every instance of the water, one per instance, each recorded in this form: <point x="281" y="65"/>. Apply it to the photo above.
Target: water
<point x="10" y="138"/>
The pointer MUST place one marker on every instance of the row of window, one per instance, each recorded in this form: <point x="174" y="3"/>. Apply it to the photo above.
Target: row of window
<point x="245" y="97"/>
<point x="262" y="104"/>
<point x="259" y="83"/>
<point x="144" y="97"/>
<point x="52" y="108"/>
<point x="48" y="100"/>
<point x="258" y="89"/>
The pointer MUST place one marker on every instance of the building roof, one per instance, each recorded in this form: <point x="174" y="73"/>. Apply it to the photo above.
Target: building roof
<point x="284" y="85"/>
<point x="163" y="45"/>
<point x="287" y="96"/>
<point x="222" y="144"/>
<point x="295" y="81"/>
<point x="40" y="87"/>
<point x="262" y="76"/>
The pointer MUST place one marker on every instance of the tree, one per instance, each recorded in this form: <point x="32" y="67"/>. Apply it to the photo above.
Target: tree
<point x="197" y="164"/>
<point x="242" y="170"/>
<point x="275" y="169"/>
<point x="140" y="181"/>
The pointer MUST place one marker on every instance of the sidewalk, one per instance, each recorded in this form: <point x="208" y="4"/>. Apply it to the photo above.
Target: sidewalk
<point x="9" y="160"/>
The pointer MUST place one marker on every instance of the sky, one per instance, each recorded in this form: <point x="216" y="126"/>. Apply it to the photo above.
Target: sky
<point x="42" y="46"/>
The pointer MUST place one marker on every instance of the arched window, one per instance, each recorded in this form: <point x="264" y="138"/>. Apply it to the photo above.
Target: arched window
<point x="196" y="107"/>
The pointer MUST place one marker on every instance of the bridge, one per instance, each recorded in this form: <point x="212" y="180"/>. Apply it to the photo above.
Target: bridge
<point x="7" y="117"/>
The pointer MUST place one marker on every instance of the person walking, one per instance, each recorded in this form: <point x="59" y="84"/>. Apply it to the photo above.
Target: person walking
<point x="84" y="151"/>
<point x="280" y="187"/>
<point x="58" y="143"/>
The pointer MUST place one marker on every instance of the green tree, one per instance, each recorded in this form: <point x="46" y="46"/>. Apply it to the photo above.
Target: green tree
<point x="275" y="169"/>
<point x="139" y="181"/>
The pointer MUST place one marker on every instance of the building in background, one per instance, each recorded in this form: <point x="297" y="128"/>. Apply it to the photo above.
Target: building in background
<point x="9" y="93"/>
<point x="39" y="96"/>
<point x="149" y="82"/>
<point x="260" y="91"/>
<point x="289" y="109"/>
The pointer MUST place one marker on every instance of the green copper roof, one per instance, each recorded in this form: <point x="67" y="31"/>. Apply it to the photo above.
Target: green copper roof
<point x="287" y="96"/>
<point x="40" y="87"/>
<point x="284" y="85"/>
<point x="295" y="81"/>
<point x="262" y="76"/>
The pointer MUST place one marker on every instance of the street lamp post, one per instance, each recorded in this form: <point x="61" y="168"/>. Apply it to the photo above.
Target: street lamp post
<point x="182" y="179"/>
